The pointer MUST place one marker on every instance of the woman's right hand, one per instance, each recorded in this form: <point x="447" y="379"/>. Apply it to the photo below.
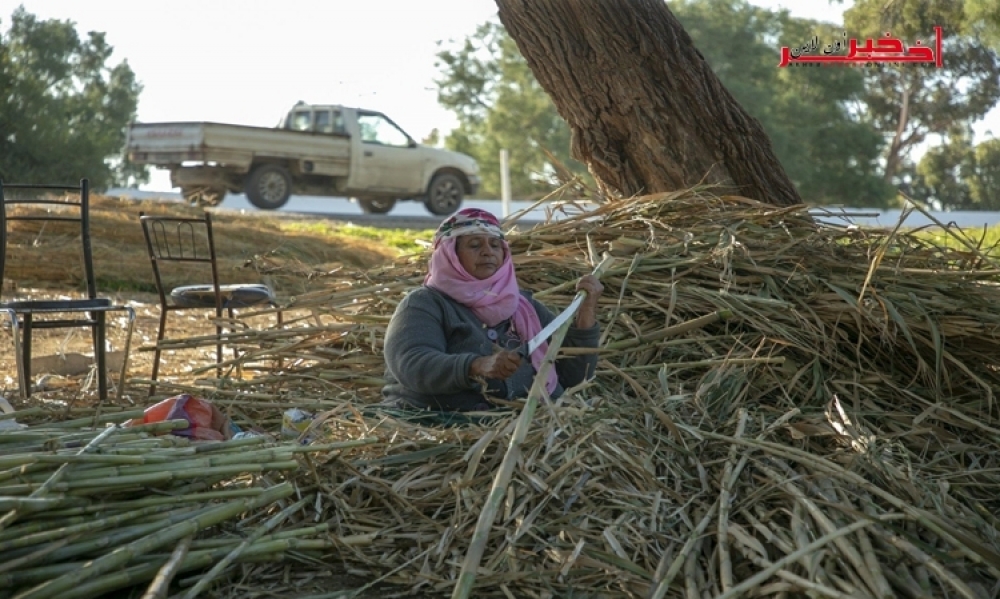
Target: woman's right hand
<point x="497" y="366"/>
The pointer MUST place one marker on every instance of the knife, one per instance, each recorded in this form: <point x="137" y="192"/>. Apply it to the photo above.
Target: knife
<point x="557" y="322"/>
<point x="565" y="315"/>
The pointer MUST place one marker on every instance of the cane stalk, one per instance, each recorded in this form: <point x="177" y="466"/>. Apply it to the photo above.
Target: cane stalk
<point x="158" y="588"/>
<point x="235" y="553"/>
<point x="480" y="537"/>
<point x="126" y="553"/>
<point x="58" y="474"/>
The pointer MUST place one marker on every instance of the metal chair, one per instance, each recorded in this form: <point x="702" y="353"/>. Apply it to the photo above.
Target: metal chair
<point x="51" y="204"/>
<point x="188" y="240"/>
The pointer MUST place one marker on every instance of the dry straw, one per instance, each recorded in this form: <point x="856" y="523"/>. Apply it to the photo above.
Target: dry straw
<point x="782" y="408"/>
<point x="249" y="249"/>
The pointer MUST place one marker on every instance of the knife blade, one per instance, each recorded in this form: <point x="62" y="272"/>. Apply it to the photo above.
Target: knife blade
<point x="569" y="312"/>
<point x="557" y="322"/>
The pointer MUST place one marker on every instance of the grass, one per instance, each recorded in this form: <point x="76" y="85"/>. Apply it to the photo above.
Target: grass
<point x="986" y="239"/>
<point x="405" y="241"/>
<point x="249" y="248"/>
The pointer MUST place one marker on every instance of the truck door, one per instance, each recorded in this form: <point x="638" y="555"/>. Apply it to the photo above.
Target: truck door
<point x="390" y="160"/>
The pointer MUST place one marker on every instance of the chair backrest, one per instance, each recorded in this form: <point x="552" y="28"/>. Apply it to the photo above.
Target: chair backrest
<point x="183" y="240"/>
<point x="47" y="204"/>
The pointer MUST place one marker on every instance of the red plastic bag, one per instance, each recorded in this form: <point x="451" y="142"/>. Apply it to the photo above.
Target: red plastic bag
<point x="207" y="422"/>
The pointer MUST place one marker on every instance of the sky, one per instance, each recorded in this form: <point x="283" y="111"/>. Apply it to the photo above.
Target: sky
<point x="249" y="61"/>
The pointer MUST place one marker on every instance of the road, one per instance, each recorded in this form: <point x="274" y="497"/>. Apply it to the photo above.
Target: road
<point x="410" y="215"/>
<point x="413" y="215"/>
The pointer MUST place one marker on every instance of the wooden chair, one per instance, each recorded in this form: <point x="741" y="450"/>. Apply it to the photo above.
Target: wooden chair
<point x="190" y="241"/>
<point x="50" y="205"/>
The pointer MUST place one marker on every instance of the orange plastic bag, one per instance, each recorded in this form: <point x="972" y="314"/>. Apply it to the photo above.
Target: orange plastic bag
<point x="207" y="422"/>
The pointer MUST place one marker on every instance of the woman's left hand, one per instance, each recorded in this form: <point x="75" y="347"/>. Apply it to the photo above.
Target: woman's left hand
<point x="587" y="316"/>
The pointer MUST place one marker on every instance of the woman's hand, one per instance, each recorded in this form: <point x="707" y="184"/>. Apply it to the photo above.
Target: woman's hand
<point x="497" y="366"/>
<point x="587" y="316"/>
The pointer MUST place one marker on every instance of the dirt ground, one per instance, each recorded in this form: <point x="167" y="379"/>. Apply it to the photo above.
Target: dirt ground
<point x="251" y="248"/>
<point x="63" y="358"/>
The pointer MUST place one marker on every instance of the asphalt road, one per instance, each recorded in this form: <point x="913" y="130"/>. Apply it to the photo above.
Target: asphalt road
<point x="413" y="215"/>
<point x="408" y="215"/>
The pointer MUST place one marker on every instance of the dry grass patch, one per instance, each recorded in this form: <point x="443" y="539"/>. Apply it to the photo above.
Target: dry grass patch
<point x="250" y="248"/>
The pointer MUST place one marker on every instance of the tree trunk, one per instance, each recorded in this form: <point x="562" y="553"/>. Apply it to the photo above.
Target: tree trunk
<point x="646" y="111"/>
<point x="894" y="156"/>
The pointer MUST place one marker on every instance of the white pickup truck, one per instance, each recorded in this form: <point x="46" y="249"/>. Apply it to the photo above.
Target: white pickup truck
<point x="320" y="150"/>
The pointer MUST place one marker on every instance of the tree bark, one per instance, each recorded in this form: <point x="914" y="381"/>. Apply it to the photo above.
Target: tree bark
<point x="646" y="111"/>
<point x="893" y="156"/>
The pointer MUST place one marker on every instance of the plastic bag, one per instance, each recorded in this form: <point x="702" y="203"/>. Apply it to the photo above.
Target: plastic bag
<point x="8" y="424"/>
<point x="294" y="422"/>
<point x="207" y="422"/>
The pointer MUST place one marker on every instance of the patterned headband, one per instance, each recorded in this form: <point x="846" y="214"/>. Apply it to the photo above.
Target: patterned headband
<point x="469" y="221"/>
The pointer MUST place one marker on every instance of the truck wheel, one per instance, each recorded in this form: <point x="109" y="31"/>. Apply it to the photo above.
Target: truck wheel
<point x="269" y="187"/>
<point x="380" y="206"/>
<point x="203" y="196"/>
<point x="444" y="196"/>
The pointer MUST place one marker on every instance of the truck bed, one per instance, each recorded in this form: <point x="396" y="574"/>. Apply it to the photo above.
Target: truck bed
<point x="171" y="144"/>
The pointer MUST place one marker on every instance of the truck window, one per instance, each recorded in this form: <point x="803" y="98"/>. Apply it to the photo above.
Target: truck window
<point x="323" y="124"/>
<point x="375" y="128"/>
<point x="301" y="120"/>
<point x="330" y="121"/>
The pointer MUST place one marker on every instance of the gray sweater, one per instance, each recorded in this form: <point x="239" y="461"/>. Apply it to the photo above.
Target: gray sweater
<point x="431" y="343"/>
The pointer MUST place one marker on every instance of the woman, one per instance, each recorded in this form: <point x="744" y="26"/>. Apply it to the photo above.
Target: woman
<point x="467" y="326"/>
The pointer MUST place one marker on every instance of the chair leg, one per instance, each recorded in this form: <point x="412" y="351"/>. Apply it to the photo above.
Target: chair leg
<point x="156" y="352"/>
<point x="236" y="352"/>
<point x="100" y="354"/>
<point x="125" y="355"/>
<point x="26" y="355"/>
<point x="218" y="344"/>
<point x="15" y="330"/>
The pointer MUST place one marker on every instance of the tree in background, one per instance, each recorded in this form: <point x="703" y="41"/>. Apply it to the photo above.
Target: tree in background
<point x="960" y="175"/>
<point x="63" y="109"/>
<point x="433" y="138"/>
<point x="499" y="104"/>
<point x="909" y="104"/>
<point x="810" y="115"/>
<point x="982" y="19"/>
<point x="984" y="185"/>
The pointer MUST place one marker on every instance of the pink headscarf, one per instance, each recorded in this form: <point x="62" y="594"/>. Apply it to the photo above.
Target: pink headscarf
<point x="492" y="300"/>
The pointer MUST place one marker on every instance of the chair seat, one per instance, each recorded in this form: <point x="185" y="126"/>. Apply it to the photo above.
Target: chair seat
<point x="71" y="305"/>
<point x="242" y="295"/>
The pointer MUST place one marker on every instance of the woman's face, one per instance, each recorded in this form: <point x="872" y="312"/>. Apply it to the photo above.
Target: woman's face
<point x="480" y="254"/>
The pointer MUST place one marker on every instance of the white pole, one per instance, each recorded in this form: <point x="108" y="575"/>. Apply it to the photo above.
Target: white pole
<point x="505" y="182"/>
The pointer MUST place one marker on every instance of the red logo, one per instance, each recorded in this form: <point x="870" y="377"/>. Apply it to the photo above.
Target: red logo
<point x="886" y="50"/>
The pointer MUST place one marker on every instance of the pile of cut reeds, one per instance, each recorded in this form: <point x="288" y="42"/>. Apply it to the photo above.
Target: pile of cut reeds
<point x="86" y="511"/>
<point x="817" y="309"/>
<point x="783" y="407"/>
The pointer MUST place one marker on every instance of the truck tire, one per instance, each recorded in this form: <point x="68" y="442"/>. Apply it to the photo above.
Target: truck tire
<point x="203" y="196"/>
<point x="376" y="206"/>
<point x="444" y="195"/>
<point x="269" y="186"/>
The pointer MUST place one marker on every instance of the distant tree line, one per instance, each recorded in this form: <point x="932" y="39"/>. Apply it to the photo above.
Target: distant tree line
<point x="844" y="135"/>
<point x="63" y="108"/>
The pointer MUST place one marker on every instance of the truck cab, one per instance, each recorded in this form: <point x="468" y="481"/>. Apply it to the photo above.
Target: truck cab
<point x="386" y="163"/>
